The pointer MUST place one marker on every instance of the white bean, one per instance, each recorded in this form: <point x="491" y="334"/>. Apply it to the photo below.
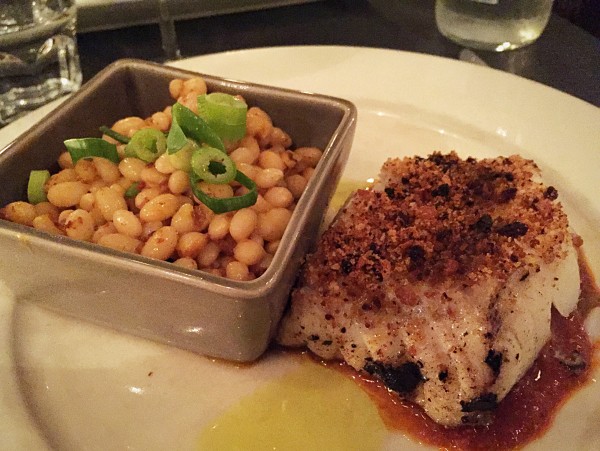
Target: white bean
<point x="161" y="244"/>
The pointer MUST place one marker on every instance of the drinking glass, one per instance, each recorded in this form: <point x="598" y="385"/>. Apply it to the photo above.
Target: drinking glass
<point x="492" y="24"/>
<point x="38" y="54"/>
<point x="168" y="35"/>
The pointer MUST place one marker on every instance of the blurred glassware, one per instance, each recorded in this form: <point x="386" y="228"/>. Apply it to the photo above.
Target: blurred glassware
<point x="168" y="34"/>
<point x="471" y="57"/>
<point x="38" y="54"/>
<point x="496" y="25"/>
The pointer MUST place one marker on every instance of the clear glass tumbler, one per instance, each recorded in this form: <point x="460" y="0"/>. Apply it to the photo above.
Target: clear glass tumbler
<point x="38" y="54"/>
<point x="496" y="25"/>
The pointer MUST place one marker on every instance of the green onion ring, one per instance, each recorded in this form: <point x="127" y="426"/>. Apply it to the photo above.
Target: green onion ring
<point x="146" y="144"/>
<point x="35" y="186"/>
<point x="91" y="147"/>
<point x="195" y="127"/>
<point x="133" y="190"/>
<point x="182" y="158"/>
<point x="114" y="135"/>
<point x="176" y="138"/>
<point x="202" y="165"/>
<point x="224" y="205"/>
<point x="224" y="113"/>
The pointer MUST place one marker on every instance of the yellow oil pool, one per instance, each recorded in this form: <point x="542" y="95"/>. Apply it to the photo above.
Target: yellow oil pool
<point x="344" y="189"/>
<point x="311" y="408"/>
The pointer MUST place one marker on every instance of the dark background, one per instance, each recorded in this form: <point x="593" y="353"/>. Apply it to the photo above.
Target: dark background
<point x="566" y="56"/>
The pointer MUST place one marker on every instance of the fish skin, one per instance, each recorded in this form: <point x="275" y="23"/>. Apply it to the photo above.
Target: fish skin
<point x="390" y="291"/>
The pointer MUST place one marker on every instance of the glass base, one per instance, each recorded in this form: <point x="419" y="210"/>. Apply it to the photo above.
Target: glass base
<point x="38" y="59"/>
<point x="488" y="46"/>
<point x="21" y="100"/>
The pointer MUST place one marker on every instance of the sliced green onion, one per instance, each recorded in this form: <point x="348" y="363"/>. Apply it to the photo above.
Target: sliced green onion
<point x="133" y="190"/>
<point x="176" y="139"/>
<point x="195" y="127"/>
<point x="114" y="135"/>
<point x="146" y="144"/>
<point x="182" y="159"/>
<point x="223" y="205"/>
<point x="35" y="186"/>
<point x="224" y="113"/>
<point x="91" y="147"/>
<point x="213" y="166"/>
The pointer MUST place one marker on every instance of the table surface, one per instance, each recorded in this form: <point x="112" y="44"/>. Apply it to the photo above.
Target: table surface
<point x="564" y="57"/>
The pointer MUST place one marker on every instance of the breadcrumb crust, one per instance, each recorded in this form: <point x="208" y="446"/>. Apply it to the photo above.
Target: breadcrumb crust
<point x="442" y="218"/>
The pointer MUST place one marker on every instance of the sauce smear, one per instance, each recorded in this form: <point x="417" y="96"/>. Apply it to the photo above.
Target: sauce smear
<point x="563" y="366"/>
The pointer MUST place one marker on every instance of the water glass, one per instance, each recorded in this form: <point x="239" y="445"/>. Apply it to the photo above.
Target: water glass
<point x="38" y="54"/>
<point x="496" y="25"/>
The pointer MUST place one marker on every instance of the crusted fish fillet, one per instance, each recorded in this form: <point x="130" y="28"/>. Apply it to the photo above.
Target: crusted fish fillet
<point x="440" y="281"/>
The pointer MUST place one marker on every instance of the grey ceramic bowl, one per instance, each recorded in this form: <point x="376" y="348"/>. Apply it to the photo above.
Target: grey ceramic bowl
<point x="189" y="309"/>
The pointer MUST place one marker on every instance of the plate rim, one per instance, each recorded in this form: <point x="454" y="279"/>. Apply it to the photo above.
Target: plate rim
<point x="473" y="69"/>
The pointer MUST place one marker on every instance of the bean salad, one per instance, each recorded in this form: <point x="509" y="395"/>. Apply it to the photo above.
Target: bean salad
<point x="208" y="183"/>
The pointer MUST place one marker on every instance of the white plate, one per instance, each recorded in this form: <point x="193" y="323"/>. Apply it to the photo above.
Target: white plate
<point x="71" y="385"/>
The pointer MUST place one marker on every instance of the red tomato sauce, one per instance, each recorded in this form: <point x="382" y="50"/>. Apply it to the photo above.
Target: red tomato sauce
<point x="528" y="409"/>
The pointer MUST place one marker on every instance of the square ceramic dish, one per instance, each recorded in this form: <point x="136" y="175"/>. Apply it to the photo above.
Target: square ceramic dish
<point x="157" y="300"/>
